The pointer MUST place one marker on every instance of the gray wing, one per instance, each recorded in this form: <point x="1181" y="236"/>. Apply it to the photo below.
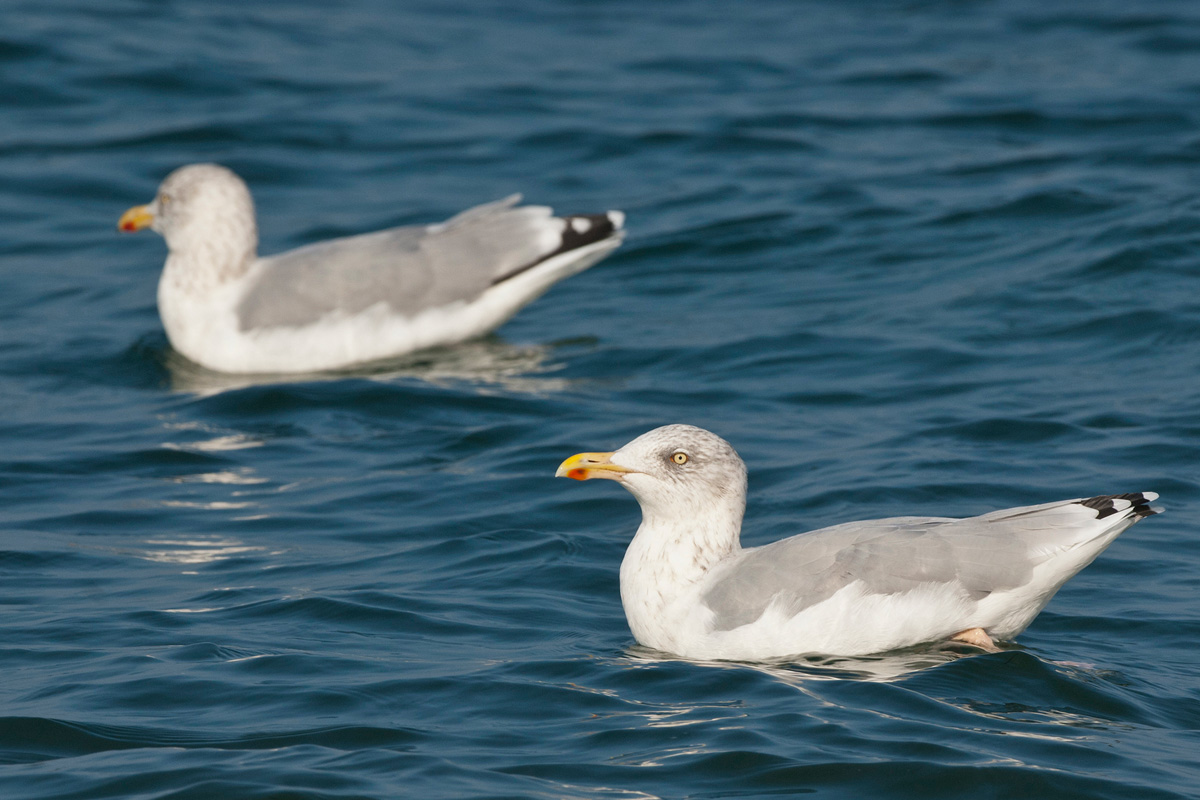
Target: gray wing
<point x="982" y="554"/>
<point x="410" y="269"/>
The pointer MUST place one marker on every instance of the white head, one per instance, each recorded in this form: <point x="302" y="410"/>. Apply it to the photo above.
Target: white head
<point x="676" y="472"/>
<point x="206" y="214"/>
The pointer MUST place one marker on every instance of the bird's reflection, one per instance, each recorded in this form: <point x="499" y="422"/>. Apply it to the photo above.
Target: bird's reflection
<point x="486" y="363"/>
<point x="890" y="666"/>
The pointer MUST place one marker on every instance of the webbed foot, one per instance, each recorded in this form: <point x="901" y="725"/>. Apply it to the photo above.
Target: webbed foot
<point x="976" y="637"/>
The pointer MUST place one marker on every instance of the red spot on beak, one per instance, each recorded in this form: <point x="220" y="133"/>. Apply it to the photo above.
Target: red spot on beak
<point x="128" y="227"/>
<point x="577" y="474"/>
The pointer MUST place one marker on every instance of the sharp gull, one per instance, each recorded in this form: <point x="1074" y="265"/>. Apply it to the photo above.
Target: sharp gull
<point x="690" y="588"/>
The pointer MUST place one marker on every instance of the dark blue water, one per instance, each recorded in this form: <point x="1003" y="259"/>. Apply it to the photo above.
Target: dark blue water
<point x="932" y="258"/>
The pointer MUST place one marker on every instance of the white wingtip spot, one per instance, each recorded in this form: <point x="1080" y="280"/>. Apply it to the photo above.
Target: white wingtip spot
<point x="1150" y="495"/>
<point x="617" y="218"/>
<point x="1119" y="504"/>
<point x="581" y="225"/>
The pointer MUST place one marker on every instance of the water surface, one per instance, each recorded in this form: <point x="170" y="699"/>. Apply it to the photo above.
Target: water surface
<point x="930" y="258"/>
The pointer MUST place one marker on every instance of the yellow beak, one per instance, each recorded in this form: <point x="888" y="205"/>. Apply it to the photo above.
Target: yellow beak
<point x="135" y="219"/>
<point x="584" y="466"/>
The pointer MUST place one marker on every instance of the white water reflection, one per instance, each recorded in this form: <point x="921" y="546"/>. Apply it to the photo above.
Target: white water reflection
<point x="194" y="551"/>
<point x="220" y="441"/>
<point x="486" y="362"/>
<point x="191" y="551"/>
<point x="214" y="505"/>
<point x="796" y="671"/>
<point x="243" y="476"/>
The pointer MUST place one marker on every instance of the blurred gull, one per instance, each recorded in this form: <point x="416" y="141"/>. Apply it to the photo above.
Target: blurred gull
<point x="351" y="300"/>
<point x="690" y="588"/>
<point x="483" y="366"/>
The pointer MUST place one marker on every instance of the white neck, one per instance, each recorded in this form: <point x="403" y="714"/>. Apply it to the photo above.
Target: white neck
<point x="205" y="264"/>
<point x="667" y="562"/>
<point x="196" y="293"/>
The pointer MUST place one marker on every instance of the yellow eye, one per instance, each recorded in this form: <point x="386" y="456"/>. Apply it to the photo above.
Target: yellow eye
<point x="163" y="199"/>
<point x="679" y="458"/>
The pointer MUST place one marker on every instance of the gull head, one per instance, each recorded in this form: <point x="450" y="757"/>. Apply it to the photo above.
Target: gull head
<point x="200" y="209"/>
<point x="675" y="470"/>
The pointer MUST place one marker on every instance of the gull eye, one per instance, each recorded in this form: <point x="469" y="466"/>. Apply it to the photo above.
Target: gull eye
<point x="163" y="199"/>
<point x="680" y="457"/>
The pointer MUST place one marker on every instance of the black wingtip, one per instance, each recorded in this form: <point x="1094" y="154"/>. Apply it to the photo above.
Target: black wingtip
<point x="583" y="229"/>
<point x="579" y="230"/>
<point x="1135" y="503"/>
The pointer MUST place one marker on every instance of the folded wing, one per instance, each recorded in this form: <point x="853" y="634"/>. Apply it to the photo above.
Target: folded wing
<point x="413" y="269"/>
<point x="976" y="556"/>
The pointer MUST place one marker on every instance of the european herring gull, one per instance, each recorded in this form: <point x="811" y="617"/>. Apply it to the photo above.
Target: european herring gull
<point x="351" y="300"/>
<point x="690" y="588"/>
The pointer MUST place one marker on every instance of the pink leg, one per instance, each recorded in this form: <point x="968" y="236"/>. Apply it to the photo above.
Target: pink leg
<point x="976" y="637"/>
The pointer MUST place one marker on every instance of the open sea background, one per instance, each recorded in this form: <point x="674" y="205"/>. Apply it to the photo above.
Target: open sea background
<point x="910" y="258"/>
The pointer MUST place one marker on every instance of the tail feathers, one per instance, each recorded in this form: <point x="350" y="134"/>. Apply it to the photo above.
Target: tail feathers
<point x="583" y="229"/>
<point x="1135" y="504"/>
<point x="578" y="230"/>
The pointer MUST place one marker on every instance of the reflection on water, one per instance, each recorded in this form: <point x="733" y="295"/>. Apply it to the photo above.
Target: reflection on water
<point x="996" y="681"/>
<point x="216" y="505"/>
<point x="571" y="791"/>
<point x="488" y="362"/>
<point x="891" y="666"/>
<point x="222" y="441"/>
<point x="190" y="551"/>
<point x="243" y="476"/>
<point x="1018" y="712"/>
<point x="661" y="757"/>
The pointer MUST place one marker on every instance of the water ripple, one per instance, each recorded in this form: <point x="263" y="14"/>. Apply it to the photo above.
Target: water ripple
<point x="909" y="259"/>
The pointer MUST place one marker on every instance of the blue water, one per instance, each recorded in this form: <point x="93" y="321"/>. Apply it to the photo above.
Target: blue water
<point x="931" y="258"/>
